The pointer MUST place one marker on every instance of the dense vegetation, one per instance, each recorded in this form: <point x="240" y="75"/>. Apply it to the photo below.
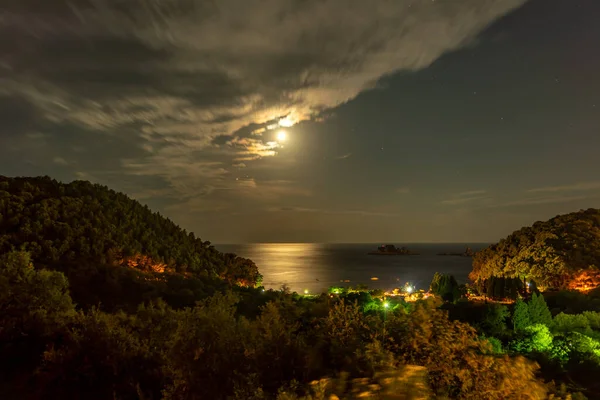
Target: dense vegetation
<point x="102" y="299"/>
<point x="563" y="252"/>
<point x="78" y="225"/>
<point x="564" y="339"/>
<point x="214" y="350"/>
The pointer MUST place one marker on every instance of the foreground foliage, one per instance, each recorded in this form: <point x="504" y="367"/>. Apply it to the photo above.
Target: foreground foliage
<point x="52" y="350"/>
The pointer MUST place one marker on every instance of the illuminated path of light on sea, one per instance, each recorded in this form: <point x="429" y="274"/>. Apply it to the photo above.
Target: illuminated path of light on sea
<point x="315" y="267"/>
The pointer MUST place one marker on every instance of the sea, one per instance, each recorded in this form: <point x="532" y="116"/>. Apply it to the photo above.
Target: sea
<point x="313" y="267"/>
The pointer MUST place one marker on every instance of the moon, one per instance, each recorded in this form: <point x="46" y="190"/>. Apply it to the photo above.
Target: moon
<point x="281" y="136"/>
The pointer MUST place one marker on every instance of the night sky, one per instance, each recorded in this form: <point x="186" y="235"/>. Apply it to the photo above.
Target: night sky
<point x="404" y="121"/>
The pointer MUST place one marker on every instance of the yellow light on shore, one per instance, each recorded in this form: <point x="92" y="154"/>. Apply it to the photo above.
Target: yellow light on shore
<point x="305" y="291"/>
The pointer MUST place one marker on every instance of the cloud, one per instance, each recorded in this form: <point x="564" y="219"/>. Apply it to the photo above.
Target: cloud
<point x="471" y="193"/>
<point x="463" y="200"/>
<point x="343" y="157"/>
<point x="581" y="186"/>
<point x="176" y="75"/>
<point x="540" y="200"/>
<point x="466" y="197"/>
<point x="331" y="212"/>
<point x="60" y="161"/>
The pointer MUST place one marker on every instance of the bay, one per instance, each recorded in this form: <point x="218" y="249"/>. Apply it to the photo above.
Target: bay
<point x="314" y="267"/>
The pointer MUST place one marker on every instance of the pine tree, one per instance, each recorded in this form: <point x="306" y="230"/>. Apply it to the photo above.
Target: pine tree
<point x="521" y="318"/>
<point x="538" y="311"/>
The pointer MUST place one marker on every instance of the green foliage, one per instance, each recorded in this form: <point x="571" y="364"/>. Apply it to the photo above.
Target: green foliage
<point x="521" y="318"/>
<point x="66" y="225"/>
<point x="593" y="319"/>
<point x="551" y="253"/>
<point x="534" y="338"/>
<point x="187" y="333"/>
<point x="502" y="288"/>
<point x="445" y="286"/>
<point x="211" y="351"/>
<point x="538" y="310"/>
<point x="494" y="320"/>
<point x="30" y="300"/>
<point x="495" y="343"/>
<point x="573" y="302"/>
<point x="564" y="323"/>
<point x="459" y="364"/>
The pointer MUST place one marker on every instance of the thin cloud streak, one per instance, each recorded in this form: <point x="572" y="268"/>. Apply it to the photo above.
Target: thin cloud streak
<point x="471" y="193"/>
<point x="331" y="212"/>
<point x="463" y="200"/>
<point x="581" y="186"/>
<point x="539" y="201"/>
<point x="466" y="197"/>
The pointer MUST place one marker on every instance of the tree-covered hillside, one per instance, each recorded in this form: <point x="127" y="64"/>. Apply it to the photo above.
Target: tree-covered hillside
<point x="563" y="252"/>
<point x="81" y="223"/>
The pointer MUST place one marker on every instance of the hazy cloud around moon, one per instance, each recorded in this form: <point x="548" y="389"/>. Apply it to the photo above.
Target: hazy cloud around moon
<point x="179" y="73"/>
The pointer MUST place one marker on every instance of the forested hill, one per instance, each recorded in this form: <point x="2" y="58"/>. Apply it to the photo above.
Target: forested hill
<point x="81" y="222"/>
<point x="563" y="252"/>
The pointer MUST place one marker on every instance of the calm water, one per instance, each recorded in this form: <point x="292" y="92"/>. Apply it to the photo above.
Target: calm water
<point x="315" y="267"/>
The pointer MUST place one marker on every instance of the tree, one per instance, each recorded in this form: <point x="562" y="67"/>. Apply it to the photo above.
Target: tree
<point x="534" y="338"/>
<point x="65" y="225"/>
<point x="554" y="253"/>
<point x="444" y="286"/>
<point x="538" y="310"/>
<point x="521" y="318"/>
<point x="31" y="301"/>
<point x="460" y="365"/>
<point x="571" y="323"/>
<point x="494" y="320"/>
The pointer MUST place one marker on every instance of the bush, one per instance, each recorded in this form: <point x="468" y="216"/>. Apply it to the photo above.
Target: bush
<point x="571" y="323"/>
<point x="534" y="338"/>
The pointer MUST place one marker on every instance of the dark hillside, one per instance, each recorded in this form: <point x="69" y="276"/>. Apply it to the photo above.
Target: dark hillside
<point x="84" y="229"/>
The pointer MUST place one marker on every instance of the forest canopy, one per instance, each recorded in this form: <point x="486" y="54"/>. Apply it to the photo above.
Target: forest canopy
<point x="78" y="223"/>
<point x="563" y="252"/>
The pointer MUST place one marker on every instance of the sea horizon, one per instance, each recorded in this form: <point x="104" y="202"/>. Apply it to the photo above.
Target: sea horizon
<point x="353" y="243"/>
<point x="313" y="267"/>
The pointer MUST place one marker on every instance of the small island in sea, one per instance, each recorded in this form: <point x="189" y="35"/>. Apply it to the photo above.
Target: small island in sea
<point x="391" y="250"/>
<point x="467" y="253"/>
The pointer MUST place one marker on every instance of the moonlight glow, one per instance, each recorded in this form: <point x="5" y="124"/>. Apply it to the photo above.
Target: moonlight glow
<point x="287" y="122"/>
<point x="281" y="136"/>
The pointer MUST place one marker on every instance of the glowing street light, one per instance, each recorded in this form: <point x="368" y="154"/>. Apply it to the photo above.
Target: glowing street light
<point x="409" y="289"/>
<point x="305" y="291"/>
<point x="386" y="304"/>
